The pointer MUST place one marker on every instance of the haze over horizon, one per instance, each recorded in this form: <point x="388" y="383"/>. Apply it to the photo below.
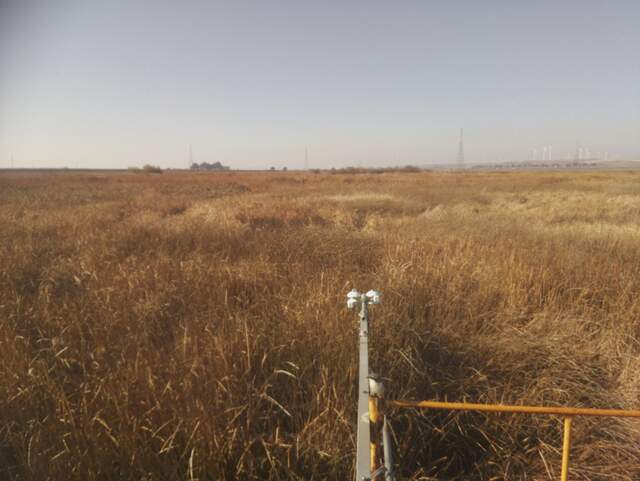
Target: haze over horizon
<point x="251" y="84"/>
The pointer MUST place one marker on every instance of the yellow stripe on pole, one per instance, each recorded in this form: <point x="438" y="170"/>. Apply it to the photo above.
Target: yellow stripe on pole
<point x="374" y="419"/>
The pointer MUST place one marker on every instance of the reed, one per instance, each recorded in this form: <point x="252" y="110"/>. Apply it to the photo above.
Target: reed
<point x="193" y="325"/>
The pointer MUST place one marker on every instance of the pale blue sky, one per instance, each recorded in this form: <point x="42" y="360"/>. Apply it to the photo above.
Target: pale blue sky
<point x="115" y="83"/>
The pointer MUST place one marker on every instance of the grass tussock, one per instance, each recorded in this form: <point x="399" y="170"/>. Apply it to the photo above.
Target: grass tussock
<point x="193" y="326"/>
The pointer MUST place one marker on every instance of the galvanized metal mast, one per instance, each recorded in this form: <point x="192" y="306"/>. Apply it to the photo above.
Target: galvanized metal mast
<point x="363" y="466"/>
<point x="370" y="391"/>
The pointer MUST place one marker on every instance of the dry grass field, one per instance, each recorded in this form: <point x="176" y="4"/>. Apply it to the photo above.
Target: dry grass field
<point x="193" y="326"/>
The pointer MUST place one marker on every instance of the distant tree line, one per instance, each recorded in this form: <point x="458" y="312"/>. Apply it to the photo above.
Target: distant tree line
<point x="208" y="166"/>
<point x="374" y="170"/>
<point x="146" y="169"/>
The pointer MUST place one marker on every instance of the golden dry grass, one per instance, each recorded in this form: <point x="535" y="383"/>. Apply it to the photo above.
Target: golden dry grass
<point x="193" y="326"/>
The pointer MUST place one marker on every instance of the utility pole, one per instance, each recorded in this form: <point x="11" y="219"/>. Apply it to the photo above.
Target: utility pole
<point x="190" y="156"/>
<point x="460" y="158"/>
<point x="306" y="158"/>
<point x="11" y="161"/>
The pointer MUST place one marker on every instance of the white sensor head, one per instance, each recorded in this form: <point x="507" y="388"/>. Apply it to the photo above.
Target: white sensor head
<point x="373" y="296"/>
<point x="353" y="294"/>
<point x="376" y="386"/>
<point x="352" y="299"/>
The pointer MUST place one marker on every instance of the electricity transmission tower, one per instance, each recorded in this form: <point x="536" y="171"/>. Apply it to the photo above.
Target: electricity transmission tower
<point x="460" y="158"/>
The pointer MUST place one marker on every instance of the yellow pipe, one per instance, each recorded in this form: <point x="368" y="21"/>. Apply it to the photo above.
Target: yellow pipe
<point x="374" y="419"/>
<point x="504" y="408"/>
<point x="374" y="456"/>
<point x="566" y="446"/>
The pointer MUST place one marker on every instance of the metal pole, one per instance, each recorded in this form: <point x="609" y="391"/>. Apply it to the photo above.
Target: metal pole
<point x="389" y="474"/>
<point x="363" y="455"/>
<point x="566" y="446"/>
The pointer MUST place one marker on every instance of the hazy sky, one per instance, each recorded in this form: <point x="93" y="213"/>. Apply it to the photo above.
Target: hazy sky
<point x="115" y="83"/>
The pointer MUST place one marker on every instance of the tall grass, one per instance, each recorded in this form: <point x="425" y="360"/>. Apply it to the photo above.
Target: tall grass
<point x="193" y="326"/>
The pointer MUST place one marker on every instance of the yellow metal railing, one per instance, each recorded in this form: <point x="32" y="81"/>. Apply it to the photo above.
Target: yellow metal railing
<point x="567" y="412"/>
<point x="374" y="457"/>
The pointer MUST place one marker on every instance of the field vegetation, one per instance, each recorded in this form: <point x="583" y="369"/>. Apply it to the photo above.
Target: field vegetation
<point x="194" y="326"/>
